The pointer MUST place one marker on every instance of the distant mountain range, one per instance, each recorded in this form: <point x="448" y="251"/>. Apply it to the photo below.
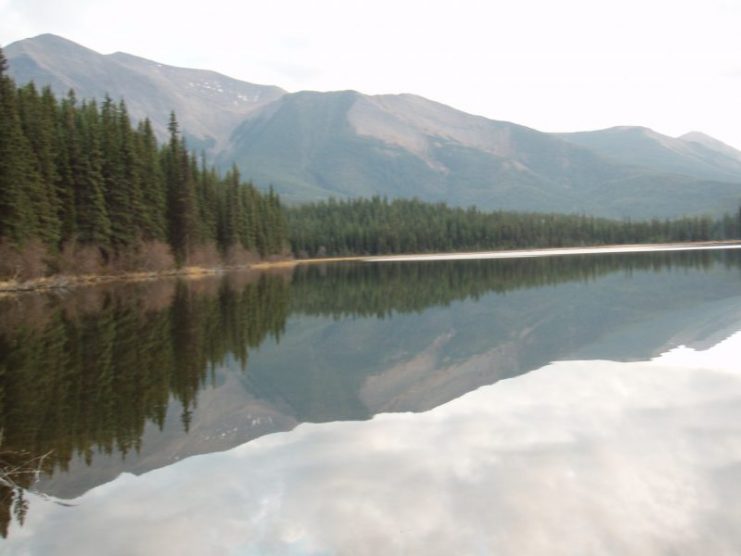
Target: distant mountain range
<point x="311" y="145"/>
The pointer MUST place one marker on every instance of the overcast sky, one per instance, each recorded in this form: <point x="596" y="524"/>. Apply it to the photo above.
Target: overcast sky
<point x="555" y="65"/>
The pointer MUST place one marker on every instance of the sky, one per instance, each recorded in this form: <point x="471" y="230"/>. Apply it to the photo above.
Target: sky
<point x="566" y="65"/>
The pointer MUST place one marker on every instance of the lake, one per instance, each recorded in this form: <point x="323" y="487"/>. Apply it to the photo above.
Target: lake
<point x="582" y="404"/>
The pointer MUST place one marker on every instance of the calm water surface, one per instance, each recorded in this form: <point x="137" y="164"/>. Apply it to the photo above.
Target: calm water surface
<point x="142" y="416"/>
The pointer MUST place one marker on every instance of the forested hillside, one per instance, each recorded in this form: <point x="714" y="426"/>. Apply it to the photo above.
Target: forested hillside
<point x="82" y="190"/>
<point x="312" y="145"/>
<point x="379" y="226"/>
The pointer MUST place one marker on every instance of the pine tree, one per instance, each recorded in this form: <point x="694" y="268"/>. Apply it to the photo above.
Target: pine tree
<point x="38" y="115"/>
<point x="17" y="220"/>
<point x="68" y="146"/>
<point x="207" y="201"/>
<point x="233" y="210"/>
<point x="115" y="188"/>
<point x="153" y="191"/>
<point x="132" y="169"/>
<point x="181" y="202"/>
<point x="93" y="225"/>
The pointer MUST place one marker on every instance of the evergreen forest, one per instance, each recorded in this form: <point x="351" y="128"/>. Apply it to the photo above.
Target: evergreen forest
<point x="378" y="226"/>
<point x="82" y="190"/>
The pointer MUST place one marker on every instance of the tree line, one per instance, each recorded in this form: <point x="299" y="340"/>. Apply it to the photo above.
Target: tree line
<point x="83" y="189"/>
<point x="379" y="226"/>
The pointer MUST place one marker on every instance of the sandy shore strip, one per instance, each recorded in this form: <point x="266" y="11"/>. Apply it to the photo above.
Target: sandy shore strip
<point x="66" y="281"/>
<point x="513" y="253"/>
<point x="554" y="252"/>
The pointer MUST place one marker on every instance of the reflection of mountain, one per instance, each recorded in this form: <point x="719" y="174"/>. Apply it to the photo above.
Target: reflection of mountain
<point x="576" y="458"/>
<point x="411" y="362"/>
<point x="226" y="415"/>
<point x="341" y="342"/>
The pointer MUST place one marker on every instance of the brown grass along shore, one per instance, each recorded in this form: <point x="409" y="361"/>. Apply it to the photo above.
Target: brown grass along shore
<point x="64" y="281"/>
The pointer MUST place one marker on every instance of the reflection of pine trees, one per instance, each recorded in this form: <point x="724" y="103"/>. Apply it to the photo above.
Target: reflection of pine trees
<point x="13" y="504"/>
<point x="80" y="380"/>
<point x="381" y="289"/>
<point x="87" y="375"/>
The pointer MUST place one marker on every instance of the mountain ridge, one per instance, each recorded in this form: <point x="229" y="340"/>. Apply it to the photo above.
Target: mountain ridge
<point x="702" y="157"/>
<point x="207" y="103"/>
<point x="310" y="145"/>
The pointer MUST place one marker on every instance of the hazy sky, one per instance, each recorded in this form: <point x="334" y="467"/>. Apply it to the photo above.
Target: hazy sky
<point x="672" y="65"/>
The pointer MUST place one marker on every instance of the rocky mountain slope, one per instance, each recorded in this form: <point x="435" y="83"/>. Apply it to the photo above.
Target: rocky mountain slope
<point x="694" y="154"/>
<point x="311" y="145"/>
<point x="208" y="105"/>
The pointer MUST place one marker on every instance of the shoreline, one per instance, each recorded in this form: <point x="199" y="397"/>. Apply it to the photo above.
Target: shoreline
<point x="65" y="281"/>
<point x="10" y="287"/>
<point x="514" y="253"/>
<point x="561" y="251"/>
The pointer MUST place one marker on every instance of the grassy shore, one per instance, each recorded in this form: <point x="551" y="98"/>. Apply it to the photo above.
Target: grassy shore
<point x="63" y="281"/>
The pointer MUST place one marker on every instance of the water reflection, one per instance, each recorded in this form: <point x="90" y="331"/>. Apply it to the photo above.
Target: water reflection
<point x="84" y="374"/>
<point x="136" y="376"/>
<point x="587" y="457"/>
<point x="385" y="289"/>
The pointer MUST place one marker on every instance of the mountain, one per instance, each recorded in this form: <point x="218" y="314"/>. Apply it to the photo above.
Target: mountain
<point x="345" y="143"/>
<point x="311" y="145"/>
<point x="208" y="105"/>
<point x="694" y="154"/>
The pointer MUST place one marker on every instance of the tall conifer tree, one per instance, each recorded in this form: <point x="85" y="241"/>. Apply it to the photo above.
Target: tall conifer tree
<point x="113" y="170"/>
<point x="17" y="220"/>
<point x="182" y="219"/>
<point x="154" y="194"/>
<point x="38" y="123"/>
<point x="93" y="225"/>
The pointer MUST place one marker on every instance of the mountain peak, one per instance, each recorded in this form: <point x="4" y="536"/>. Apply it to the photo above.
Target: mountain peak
<point x="632" y="128"/>
<point x="209" y="105"/>
<point x="694" y="135"/>
<point x="702" y="138"/>
<point x="49" y="38"/>
<point x="711" y="143"/>
<point x="44" y="41"/>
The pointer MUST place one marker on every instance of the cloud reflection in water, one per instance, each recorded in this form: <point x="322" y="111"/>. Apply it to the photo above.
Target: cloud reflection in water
<point x="585" y="457"/>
